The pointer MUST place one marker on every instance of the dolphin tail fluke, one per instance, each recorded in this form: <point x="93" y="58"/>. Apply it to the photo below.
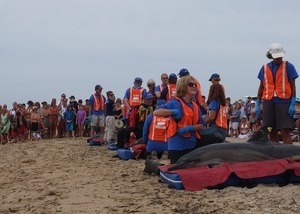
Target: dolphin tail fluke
<point x="262" y="135"/>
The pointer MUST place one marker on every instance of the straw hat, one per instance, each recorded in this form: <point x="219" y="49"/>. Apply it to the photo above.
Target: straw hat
<point x="119" y="123"/>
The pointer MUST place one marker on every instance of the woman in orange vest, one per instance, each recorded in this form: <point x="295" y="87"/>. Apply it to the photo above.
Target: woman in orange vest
<point x="155" y="134"/>
<point x="216" y="131"/>
<point x="185" y="120"/>
<point x="277" y="91"/>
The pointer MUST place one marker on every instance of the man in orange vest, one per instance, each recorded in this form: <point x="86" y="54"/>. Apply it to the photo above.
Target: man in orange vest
<point x="97" y="110"/>
<point x="170" y="90"/>
<point x="277" y="91"/>
<point x="164" y="83"/>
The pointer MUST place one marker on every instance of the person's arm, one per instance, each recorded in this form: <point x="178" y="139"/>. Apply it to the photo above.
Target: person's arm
<point x="211" y="116"/>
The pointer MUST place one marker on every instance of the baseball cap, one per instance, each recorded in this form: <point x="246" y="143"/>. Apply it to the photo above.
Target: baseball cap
<point x="172" y="76"/>
<point x="252" y="101"/>
<point x="98" y="87"/>
<point x="183" y="72"/>
<point x="138" y="79"/>
<point x="214" y="76"/>
<point x="276" y="50"/>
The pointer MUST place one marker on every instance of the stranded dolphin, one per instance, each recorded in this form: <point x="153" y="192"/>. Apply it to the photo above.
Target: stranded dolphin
<point x="257" y="148"/>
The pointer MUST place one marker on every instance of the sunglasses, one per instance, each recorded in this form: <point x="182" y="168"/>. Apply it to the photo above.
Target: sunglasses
<point x="191" y="84"/>
<point x="165" y="78"/>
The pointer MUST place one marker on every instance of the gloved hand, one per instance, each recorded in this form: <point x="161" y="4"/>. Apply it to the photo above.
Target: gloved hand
<point x="292" y="110"/>
<point x="257" y="108"/>
<point x="175" y="114"/>
<point x="185" y="130"/>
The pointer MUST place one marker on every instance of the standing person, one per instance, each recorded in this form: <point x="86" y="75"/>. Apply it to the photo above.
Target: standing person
<point x="133" y="98"/>
<point x="170" y="90"/>
<point x="87" y="126"/>
<point x="164" y="83"/>
<point x="229" y="110"/>
<point x="35" y="119"/>
<point x="151" y="87"/>
<point x="80" y="120"/>
<point x="110" y="117"/>
<point x="277" y="91"/>
<point x="70" y="117"/>
<point x="185" y="120"/>
<point x="4" y="124"/>
<point x="97" y="110"/>
<point x="235" y="120"/>
<point x="198" y="96"/>
<point x="216" y="119"/>
<point x="252" y="114"/>
<point x="53" y="118"/>
<point x="61" y="126"/>
<point x="74" y="105"/>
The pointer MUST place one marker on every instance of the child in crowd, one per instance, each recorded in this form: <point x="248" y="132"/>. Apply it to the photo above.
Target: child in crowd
<point x="80" y="119"/>
<point x="35" y="119"/>
<point x="13" y="134"/>
<point x="69" y="117"/>
<point x="22" y="127"/>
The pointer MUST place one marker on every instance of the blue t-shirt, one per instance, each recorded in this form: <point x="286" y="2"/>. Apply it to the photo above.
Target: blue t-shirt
<point x="215" y="106"/>
<point x="291" y="73"/>
<point x="178" y="142"/>
<point x="237" y="115"/>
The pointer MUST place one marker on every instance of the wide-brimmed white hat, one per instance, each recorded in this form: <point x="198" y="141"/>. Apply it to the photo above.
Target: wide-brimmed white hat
<point x="119" y="123"/>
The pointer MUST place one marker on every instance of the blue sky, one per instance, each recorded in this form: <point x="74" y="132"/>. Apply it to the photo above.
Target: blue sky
<point x="51" y="47"/>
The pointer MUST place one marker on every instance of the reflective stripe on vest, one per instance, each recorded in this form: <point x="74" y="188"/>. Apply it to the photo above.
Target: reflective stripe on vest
<point x="158" y="128"/>
<point x="190" y="117"/>
<point x="135" y="98"/>
<point x="221" y="119"/>
<point x="280" y="86"/>
<point x="171" y="91"/>
<point x="98" y="103"/>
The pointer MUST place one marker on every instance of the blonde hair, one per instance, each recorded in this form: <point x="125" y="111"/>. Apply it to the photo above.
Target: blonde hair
<point x="182" y="84"/>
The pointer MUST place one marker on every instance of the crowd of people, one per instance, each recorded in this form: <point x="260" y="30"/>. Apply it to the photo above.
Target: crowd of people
<point x="173" y="116"/>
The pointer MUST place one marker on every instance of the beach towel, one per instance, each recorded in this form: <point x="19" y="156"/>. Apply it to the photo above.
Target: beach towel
<point x="202" y="177"/>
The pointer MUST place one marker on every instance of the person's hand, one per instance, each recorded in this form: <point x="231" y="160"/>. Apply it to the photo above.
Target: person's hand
<point x="175" y="114"/>
<point x="257" y="108"/>
<point x="185" y="130"/>
<point x="292" y="109"/>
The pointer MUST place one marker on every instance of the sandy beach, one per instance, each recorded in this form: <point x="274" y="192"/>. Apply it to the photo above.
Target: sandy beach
<point x="69" y="176"/>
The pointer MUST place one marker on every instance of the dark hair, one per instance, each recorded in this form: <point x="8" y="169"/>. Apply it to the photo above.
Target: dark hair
<point x="216" y="92"/>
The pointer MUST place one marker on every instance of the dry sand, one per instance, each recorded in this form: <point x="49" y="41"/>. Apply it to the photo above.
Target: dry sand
<point x="69" y="176"/>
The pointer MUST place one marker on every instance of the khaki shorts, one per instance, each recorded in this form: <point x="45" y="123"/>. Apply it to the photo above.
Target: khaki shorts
<point x="97" y="120"/>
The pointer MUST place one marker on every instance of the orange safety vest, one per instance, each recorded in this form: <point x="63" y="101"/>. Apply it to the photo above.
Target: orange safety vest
<point x="98" y="103"/>
<point x="171" y="91"/>
<point x="280" y="87"/>
<point x="190" y="117"/>
<point x="221" y="119"/>
<point x="135" y="98"/>
<point x="199" y="99"/>
<point x="158" y="128"/>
